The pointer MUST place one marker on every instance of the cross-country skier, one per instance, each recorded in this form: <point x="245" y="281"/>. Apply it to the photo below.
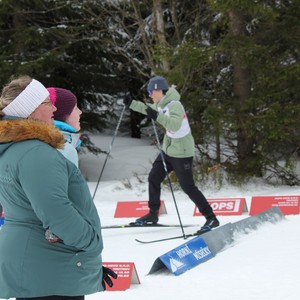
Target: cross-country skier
<point x="178" y="149"/>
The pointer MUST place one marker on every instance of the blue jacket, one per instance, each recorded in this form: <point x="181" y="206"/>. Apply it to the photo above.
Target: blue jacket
<point x="41" y="189"/>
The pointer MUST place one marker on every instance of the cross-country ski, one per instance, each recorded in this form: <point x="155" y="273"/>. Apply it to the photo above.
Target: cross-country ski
<point x="135" y="225"/>
<point x="186" y="236"/>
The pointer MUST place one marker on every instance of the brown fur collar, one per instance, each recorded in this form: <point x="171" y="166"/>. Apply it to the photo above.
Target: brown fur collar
<point x="27" y="129"/>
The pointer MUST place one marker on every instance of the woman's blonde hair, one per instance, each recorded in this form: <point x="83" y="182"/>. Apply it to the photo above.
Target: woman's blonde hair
<point x="12" y="90"/>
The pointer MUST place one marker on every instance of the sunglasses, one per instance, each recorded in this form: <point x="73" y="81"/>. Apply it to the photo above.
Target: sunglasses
<point x="150" y="93"/>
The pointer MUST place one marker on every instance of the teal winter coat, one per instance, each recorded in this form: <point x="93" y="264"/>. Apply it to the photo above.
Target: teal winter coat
<point x="41" y="189"/>
<point x="178" y="140"/>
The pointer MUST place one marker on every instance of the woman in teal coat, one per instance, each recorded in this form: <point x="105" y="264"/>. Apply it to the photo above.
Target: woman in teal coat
<point x="40" y="189"/>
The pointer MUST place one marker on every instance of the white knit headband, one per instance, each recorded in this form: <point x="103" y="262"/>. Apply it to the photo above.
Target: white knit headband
<point x="27" y="101"/>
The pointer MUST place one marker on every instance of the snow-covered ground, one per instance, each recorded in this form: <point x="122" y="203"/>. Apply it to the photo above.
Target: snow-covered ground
<point x="264" y="264"/>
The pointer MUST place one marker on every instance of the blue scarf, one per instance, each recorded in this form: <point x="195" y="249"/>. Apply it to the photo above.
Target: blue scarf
<point x="71" y="135"/>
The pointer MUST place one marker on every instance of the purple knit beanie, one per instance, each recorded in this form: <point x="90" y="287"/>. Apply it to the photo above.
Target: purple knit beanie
<point x="64" y="100"/>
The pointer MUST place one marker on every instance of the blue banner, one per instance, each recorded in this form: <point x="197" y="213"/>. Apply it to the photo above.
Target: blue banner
<point x="187" y="256"/>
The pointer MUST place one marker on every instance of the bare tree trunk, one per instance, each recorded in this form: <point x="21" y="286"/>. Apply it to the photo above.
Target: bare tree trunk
<point x="159" y="29"/>
<point x="146" y="47"/>
<point x="242" y="91"/>
<point x="175" y="20"/>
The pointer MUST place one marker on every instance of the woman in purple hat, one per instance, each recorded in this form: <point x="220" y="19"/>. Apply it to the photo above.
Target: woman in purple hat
<point x="67" y="120"/>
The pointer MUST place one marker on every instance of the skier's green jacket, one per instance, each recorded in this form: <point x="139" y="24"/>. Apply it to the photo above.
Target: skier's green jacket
<point x="41" y="189"/>
<point x="178" y="140"/>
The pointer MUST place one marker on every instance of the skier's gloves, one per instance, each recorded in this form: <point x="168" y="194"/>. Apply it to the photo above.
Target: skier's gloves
<point x="106" y="280"/>
<point x="151" y="113"/>
<point x="127" y="99"/>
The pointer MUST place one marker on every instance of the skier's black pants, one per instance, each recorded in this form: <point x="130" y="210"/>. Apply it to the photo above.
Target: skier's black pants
<point x="54" y="298"/>
<point x="183" y="168"/>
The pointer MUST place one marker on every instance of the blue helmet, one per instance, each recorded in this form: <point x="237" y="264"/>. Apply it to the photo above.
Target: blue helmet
<point x="157" y="83"/>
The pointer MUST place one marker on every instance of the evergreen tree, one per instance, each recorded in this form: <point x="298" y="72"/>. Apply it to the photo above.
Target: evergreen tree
<point x="240" y="86"/>
<point x="235" y="63"/>
<point x="65" y="44"/>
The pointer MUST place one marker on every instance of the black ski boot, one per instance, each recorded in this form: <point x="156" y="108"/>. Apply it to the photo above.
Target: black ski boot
<point x="150" y="218"/>
<point x="211" y="222"/>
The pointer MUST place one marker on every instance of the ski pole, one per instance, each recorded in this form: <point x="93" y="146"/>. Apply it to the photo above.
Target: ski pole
<point x="110" y="147"/>
<point x="169" y="180"/>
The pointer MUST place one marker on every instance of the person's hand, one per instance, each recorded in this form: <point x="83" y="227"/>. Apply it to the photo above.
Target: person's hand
<point x="106" y="278"/>
<point x="51" y="237"/>
<point x="127" y="99"/>
<point x="151" y="113"/>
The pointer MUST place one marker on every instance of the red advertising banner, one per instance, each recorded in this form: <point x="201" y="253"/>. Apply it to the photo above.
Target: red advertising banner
<point x="289" y="205"/>
<point x="127" y="275"/>
<point x="130" y="209"/>
<point x="226" y="206"/>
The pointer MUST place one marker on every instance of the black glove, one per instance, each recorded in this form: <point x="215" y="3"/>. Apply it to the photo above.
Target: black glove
<point x="127" y="99"/>
<point x="151" y="113"/>
<point x="107" y="273"/>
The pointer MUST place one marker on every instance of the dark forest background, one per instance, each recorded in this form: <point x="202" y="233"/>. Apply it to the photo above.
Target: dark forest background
<point x="235" y="63"/>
